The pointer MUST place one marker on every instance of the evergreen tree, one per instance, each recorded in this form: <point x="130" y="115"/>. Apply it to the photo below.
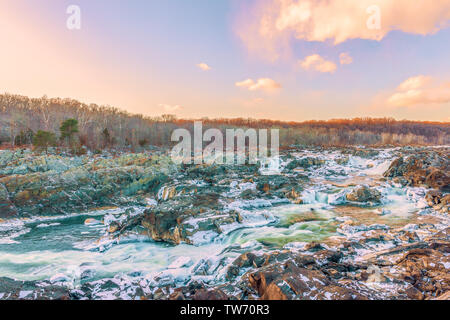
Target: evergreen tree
<point x="68" y="129"/>
<point x="106" y="137"/>
<point x="44" y="139"/>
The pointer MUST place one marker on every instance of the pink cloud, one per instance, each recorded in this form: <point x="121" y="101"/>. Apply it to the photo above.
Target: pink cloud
<point x="345" y="58"/>
<point x="317" y="63"/>
<point x="266" y="84"/>
<point x="420" y="90"/>
<point x="272" y="24"/>
<point x="204" y="66"/>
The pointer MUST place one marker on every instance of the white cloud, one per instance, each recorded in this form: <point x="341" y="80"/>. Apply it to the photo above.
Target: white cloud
<point x="204" y="66"/>
<point x="414" y="83"/>
<point x="266" y="84"/>
<point x="420" y="90"/>
<point x="269" y="26"/>
<point x="345" y="58"/>
<point x="316" y="62"/>
<point x="246" y="83"/>
<point x="170" y="108"/>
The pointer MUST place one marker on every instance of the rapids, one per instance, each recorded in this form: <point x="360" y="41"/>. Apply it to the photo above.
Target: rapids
<point x="74" y="249"/>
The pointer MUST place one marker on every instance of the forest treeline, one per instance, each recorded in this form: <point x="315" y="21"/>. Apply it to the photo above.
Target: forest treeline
<point x="99" y="127"/>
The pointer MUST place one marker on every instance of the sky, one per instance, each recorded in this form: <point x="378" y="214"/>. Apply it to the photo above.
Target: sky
<point x="278" y="59"/>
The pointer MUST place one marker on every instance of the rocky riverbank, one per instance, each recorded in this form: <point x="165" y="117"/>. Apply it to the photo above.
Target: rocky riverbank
<point x="33" y="185"/>
<point x="334" y="224"/>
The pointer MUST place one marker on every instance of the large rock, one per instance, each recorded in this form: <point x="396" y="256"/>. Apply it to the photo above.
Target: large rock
<point x="305" y="163"/>
<point x="60" y="185"/>
<point x="32" y="290"/>
<point x="438" y="201"/>
<point x="214" y="294"/>
<point x="365" y="153"/>
<point x="423" y="168"/>
<point x="287" y="276"/>
<point x="279" y="186"/>
<point x="427" y="269"/>
<point x="182" y="223"/>
<point x="7" y="208"/>
<point x="164" y="226"/>
<point x="364" y="194"/>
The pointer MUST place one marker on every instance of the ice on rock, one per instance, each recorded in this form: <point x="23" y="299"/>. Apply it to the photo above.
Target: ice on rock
<point x="296" y="246"/>
<point x="24" y="294"/>
<point x="181" y="262"/>
<point x="151" y="202"/>
<point x="308" y="196"/>
<point x="233" y="184"/>
<point x="46" y="225"/>
<point x="60" y="277"/>
<point x="203" y="237"/>
<point x="337" y="198"/>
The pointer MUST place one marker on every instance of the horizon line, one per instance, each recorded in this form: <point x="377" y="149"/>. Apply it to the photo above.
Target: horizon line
<point x="122" y="109"/>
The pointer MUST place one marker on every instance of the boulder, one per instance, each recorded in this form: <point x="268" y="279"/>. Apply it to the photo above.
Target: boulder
<point x="293" y="280"/>
<point x="433" y="197"/>
<point x="61" y="184"/>
<point x="426" y="269"/>
<point x="365" y="153"/>
<point x="423" y="168"/>
<point x="437" y="178"/>
<point x="305" y="163"/>
<point x="438" y="201"/>
<point x="364" y="194"/>
<point x="163" y="226"/>
<point x="32" y="290"/>
<point x="7" y="208"/>
<point x="213" y="294"/>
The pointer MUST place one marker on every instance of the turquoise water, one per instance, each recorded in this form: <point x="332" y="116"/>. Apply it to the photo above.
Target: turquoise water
<point x="64" y="246"/>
